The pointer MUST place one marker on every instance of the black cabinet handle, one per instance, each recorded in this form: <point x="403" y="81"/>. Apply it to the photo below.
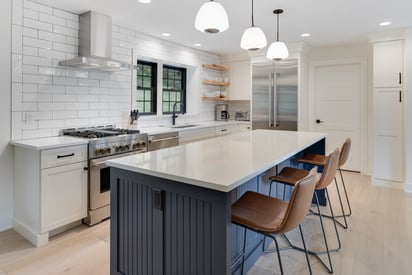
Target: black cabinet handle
<point x="65" y="156"/>
<point x="400" y="78"/>
<point x="85" y="168"/>
<point x="158" y="199"/>
<point x="400" y="96"/>
<point x="319" y="121"/>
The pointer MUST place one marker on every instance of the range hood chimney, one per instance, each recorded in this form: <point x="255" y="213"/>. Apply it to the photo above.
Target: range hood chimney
<point x="95" y="45"/>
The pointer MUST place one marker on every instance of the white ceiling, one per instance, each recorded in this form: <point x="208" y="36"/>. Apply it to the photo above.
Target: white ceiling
<point x="330" y="22"/>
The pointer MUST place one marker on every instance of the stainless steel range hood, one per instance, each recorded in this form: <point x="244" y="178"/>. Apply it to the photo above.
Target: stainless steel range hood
<point x="95" y="45"/>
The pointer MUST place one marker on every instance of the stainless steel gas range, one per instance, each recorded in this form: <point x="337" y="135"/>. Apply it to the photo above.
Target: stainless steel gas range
<point x="105" y="143"/>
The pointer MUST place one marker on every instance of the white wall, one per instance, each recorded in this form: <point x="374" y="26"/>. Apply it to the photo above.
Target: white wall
<point x="364" y="50"/>
<point x="6" y="151"/>
<point x="408" y="108"/>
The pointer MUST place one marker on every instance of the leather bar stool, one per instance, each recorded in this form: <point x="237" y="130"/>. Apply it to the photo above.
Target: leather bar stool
<point x="291" y="176"/>
<point x="267" y="215"/>
<point x="320" y="160"/>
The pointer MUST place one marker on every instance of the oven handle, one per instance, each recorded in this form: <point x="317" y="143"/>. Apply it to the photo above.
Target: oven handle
<point x="99" y="162"/>
<point x="162" y="139"/>
<point x="96" y="164"/>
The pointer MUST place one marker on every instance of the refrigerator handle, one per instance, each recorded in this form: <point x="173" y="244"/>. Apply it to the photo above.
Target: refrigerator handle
<point x="270" y="105"/>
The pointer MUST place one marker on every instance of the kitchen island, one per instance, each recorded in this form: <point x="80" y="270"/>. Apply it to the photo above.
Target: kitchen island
<point x="170" y="209"/>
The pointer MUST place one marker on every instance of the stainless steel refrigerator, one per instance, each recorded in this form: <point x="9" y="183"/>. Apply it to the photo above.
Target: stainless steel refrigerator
<point x="275" y="95"/>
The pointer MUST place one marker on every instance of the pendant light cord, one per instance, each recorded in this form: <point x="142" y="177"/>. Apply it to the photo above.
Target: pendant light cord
<point x="253" y="21"/>
<point x="277" y="29"/>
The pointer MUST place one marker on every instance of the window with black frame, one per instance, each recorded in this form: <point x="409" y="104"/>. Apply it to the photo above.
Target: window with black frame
<point x="146" y="89"/>
<point x="174" y="89"/>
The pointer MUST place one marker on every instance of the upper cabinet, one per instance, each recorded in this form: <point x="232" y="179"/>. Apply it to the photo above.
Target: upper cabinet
<point x="388" y="64"/>
<point x="240" y="80"/>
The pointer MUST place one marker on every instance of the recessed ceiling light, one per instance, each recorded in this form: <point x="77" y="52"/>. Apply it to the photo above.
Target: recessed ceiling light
<point x="166" y="34"/>
<point x="145" y="1"/>
<point x="305" y="34"/>
<point x="386" y="23"/>
<point x="197" y="45"/>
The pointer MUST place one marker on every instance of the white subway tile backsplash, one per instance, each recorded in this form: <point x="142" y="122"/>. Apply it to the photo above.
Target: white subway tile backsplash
<point x="72" y="24"/>
<point x="72" y="41"/>
<point x="52" y="71"/>
<point x="30" y="125"/>
<point x="98" y="106"/>
<point x="50" y="36"/>
<point x="77" y="73"/>
<point x="98" y="91"/>
<point x="65" y="31"/>
<point x="52" y="54"/>
<point x="38" y="61"/>
<point x="88" y="98"/>
<point x="67" y="15"/>
<point x="37" y="97"/>
<point x="38" y="115"/>
<point x="16" y="96"/>
<point x="57" y="80"/>
<point x="39" y="43"/>
<point x="88" y="114"/>
<point x="30" y="88"/>
<point x="99" y="75"/>
<point x="30" y="69"/>
<point x="17" y="123"/>
<point x="38" y="7"/>
<point x="77" y="90"/>
<point x="88" y="82"/>
<point x="37" y="133"/>
<point x="17" y="39"/>
<point x="30" y="51"/>
<point x="54" y="89"/>
<point x="77" y="122"/>
<point x="37" y="79"/>
<point x="65" y="47"/>
<point x="64" y="98"/>
<point x="44" y="124"/>
<point x="109" y="84"/>
<point x="32" y="14"/>
<point x="34" y="24"/>
<point x="29" y="106"/>
<point x="52" y="19"/>
<point x="64" y="114"/>
<point x="77" y="106"/>
<point x="28" y="32"/>
<point x="53" y="106"/>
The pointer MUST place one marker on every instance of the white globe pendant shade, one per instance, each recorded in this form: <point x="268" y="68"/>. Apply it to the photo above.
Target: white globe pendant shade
<point x="212" y="18"/>
<point x="253" y="39"/>
<point x="277" y="51"/>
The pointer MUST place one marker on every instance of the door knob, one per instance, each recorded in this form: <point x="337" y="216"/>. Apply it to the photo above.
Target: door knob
<point x="319" y="121"/>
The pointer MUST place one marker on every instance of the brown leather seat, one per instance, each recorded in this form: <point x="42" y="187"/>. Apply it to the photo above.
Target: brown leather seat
<point x="291" y="176"/>
<point x="268" y="215"/>
<point x="320" y="160"/>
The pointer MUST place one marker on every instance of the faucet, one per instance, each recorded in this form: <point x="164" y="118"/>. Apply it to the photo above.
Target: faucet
<point x="174" y="116"/>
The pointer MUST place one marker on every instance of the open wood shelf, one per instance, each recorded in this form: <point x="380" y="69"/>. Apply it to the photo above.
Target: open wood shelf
<point x="214" y="98"/>
<point x="215" y="67"/>
<point x="216" y="83"/>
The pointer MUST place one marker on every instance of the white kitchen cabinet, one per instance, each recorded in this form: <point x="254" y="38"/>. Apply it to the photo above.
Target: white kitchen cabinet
<point x="50" y="190"/>
<point x="240" y="80"/>
<point x="226" y="130"/>
<point x="186" y="136"/>
<point x="388" y="111"/>
<point x="242" y="127"/>
<point x="388" y="64"/>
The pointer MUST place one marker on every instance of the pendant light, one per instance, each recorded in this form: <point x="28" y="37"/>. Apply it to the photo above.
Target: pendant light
<point x="278" y="49"/>
<point x="211" y="18"/>
<point x="253" y="38"/>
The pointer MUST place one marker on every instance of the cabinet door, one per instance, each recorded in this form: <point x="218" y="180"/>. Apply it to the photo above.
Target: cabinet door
<point x="240" y="80"/>
<point x="388" y="64"/>
<point x="226" y="130"/>
<point x="388" y="134"/>
<point x="63" y="195"/>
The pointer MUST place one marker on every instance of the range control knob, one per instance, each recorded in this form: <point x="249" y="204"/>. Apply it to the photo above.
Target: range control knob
<point x="117" y="148"/>
<point x="97" y="152"/>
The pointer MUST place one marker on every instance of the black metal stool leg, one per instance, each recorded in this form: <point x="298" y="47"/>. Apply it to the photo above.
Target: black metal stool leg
<point x="306" y="251"/>
<point x="346" y="193"/>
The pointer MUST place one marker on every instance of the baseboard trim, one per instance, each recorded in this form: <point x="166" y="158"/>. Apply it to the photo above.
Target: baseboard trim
<point x="388" y="183"/>
<point x="36" y="239"/>
<point x="408" y="187"/>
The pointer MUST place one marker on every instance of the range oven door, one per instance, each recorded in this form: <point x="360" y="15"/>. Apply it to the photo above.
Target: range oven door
<point x="99" y="181"/>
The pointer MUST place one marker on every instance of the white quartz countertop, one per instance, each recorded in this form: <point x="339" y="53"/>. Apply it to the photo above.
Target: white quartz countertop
<point x="49" y="142"/>
<point x="221" y="163"/>
<point x="153" y="130"/>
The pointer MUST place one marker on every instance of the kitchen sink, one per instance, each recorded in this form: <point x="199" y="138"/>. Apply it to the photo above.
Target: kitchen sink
<point x="184" y="126"/>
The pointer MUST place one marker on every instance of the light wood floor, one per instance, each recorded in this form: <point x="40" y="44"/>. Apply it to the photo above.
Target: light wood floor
<point x="378" y="241"/>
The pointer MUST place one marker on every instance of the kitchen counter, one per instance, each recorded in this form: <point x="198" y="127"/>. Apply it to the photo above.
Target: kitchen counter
<point x="49" y="142"/>
<point x="221" y="163"/>
<point x="152" y="130"/>
<point x="175" y="203"/>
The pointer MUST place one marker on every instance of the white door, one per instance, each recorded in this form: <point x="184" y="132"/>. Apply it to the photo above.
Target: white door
<point x="336" y="89"/>
<point x="388" y="134"/>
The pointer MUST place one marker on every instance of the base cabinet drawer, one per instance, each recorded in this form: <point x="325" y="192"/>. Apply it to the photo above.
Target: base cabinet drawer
<point x="63" y="155"/>
<point x="63" y="195"/>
